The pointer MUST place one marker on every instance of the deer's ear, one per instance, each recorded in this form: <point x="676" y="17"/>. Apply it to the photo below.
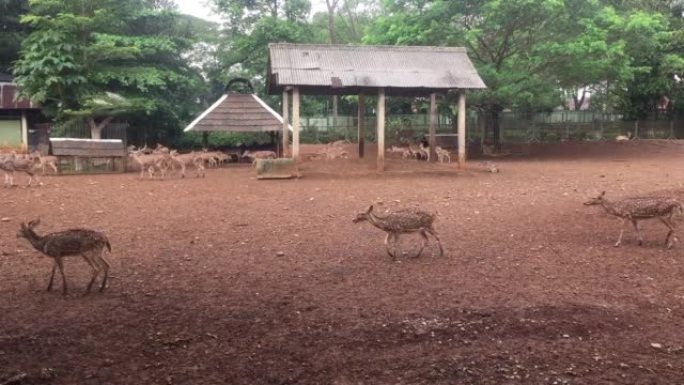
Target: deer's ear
<point x="369" y="209"/>
<point x="602" y="194"/>
<point x="33" y="223"/>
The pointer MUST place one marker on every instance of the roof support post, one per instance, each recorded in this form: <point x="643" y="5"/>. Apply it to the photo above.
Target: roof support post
<point x="461" y="128"/>
<point x="433" y="127"/>
<point x="24" y="131"/>
<point x="380" y="137"/>
<point x="362" y="124"/>
<point x="286" y="122"/>
<point x="295" y="123"/>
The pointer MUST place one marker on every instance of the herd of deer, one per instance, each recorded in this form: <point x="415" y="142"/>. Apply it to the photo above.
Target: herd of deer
<point x="90" y="244"/>
<point x="421" y="152"/>
<point x="12" y="163"/>
<point x="161" y="160"/>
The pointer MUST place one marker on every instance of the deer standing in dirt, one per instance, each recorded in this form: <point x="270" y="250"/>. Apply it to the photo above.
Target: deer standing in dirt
<point x="641" y="208"/>
<point x="402" y="222"/>
<point x="45" y="161"/>
<point x="254" y="155"/>
<point x="11" y="164"/>
<point x="87" y="243"/>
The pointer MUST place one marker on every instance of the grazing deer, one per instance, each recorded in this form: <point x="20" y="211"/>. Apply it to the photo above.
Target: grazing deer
<point x="402" y="222"/>
<point x="87" y="243"/>
<point x="641" y="208"/>
<point x="254" y="155"/>
<point x="622" y="138"/>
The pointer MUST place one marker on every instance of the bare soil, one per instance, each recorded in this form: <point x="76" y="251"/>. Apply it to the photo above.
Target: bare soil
<point x="230" y="280"/>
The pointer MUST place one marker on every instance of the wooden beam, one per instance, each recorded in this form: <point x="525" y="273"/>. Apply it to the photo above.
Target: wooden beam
<point x="380" y="137"/>
<point x="362" y="125"/>
<point x="433" y="127"/>
<point x="461" y="129"/>
<point x="24" y="131"/>
<point x="285" y="137"/>
<point x="295" y="123"/>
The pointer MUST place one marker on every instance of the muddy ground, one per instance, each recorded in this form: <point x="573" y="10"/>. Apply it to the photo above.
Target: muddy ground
<point x="230" y="280"/>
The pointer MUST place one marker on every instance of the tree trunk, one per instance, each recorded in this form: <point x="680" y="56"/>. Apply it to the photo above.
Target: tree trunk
<point x="96" y="129"/>
<point x="494" y="122"/>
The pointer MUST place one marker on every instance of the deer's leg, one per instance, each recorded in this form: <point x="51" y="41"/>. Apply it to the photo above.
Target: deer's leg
<point x="60" y="264"/>
<point x="622" y="231"/>
<point x="52" y="276"/>
<point x="638" y="232"/>
<point x="425" y="242"/>
<point x="439" y="242"/>
<point x="90" y="258"/>
<point x="671" y="237"/>
<point x="53" y="166"/>
<point x="388" y="238"/>
<point x="104" y="265"/>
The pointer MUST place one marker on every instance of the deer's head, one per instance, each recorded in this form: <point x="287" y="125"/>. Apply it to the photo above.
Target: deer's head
<point x="25" y="231"/>
<point x="595" y="201"/>
<point x="363" y="216"/>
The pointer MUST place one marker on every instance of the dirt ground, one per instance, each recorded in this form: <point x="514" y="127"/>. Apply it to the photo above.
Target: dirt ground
<point x="230" y="280"/>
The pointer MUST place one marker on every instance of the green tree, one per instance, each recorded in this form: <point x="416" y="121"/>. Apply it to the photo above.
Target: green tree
<point x="12" y="32"/>
<point x="81" y="53"/>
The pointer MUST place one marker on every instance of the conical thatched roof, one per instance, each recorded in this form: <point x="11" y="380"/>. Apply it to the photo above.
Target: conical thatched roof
<point x="238" y="112"/>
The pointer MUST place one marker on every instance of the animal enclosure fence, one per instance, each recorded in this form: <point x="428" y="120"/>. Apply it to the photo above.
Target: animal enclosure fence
<point x="515" y="127"/>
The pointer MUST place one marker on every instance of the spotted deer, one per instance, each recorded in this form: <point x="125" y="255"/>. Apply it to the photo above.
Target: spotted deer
<point x="641" y="208"/>
<point x="87" y="243"/>
<point x="11" y="163"/>
<point x="402" y="222"/>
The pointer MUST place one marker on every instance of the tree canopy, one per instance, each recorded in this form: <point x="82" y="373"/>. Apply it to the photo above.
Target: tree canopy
<point x="140" y="61"/>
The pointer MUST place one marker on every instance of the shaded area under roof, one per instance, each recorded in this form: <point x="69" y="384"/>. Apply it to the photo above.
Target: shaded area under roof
<point x="347" y="70"/>
<point x="235" y="112"/>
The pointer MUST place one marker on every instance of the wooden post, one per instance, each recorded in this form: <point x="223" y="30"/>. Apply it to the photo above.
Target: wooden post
<point x="285" y="137"/>
<point x="362" y="125"/>
<point x="295" y="123"/>
<point x="433" y="127"/>
<point x="205" y="139"/>
<point x="461" y="129"/>
<point x="24" y="131"/>
<point x="381" y="129"/>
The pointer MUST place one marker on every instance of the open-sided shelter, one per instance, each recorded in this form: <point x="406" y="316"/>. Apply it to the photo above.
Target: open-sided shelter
<point x="324" y="69"/>
<point x="237" y="112"/>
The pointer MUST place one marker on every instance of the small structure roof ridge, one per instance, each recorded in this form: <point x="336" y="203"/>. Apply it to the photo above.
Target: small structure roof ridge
<point x="363" y="46"/>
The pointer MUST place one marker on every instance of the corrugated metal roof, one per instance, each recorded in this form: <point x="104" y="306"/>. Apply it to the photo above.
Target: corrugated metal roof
<point x="334" y="68"/>
<point x="8" y="98"/>
<point x="235" y="112"/>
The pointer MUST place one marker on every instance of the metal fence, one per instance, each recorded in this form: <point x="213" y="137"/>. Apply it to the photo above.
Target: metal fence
<point x="515" y="127"/>
<point x="80" y="129"/>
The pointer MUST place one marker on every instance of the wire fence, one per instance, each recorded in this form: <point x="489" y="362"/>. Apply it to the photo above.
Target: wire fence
<point x="515" y="127"/>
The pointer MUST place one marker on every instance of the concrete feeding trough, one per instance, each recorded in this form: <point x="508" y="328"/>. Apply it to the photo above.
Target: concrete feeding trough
<point x="77" y="156"/>
<point x="281" y="168"/>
